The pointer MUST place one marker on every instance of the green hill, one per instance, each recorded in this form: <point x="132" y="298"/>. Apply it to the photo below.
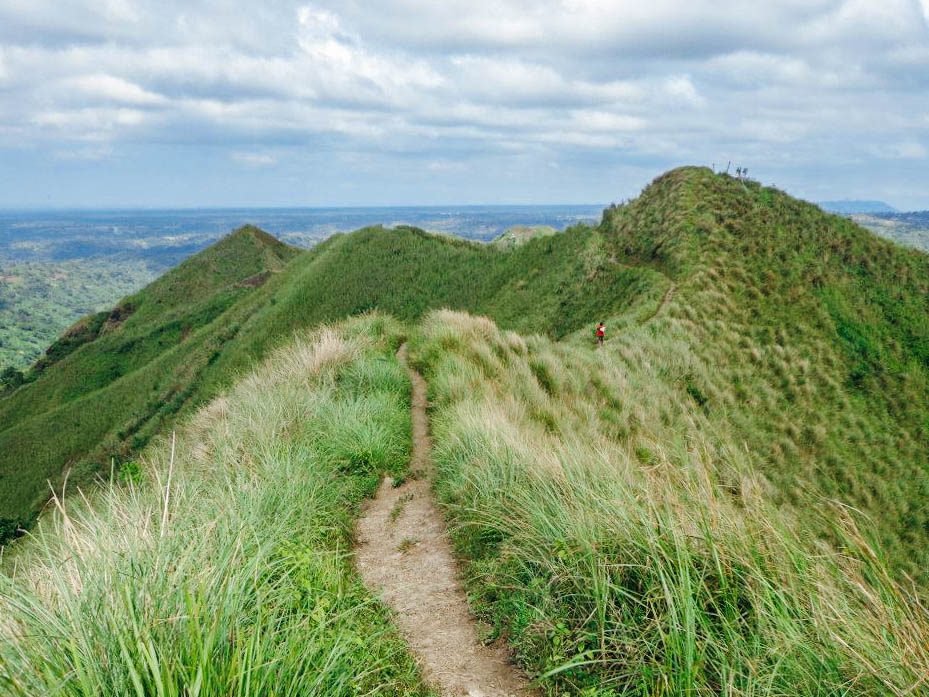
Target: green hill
<point x="115" y="378"/>
<point x="811" y="342"/>
<point x="729" y="497"/>
<point x="811" y="334"/>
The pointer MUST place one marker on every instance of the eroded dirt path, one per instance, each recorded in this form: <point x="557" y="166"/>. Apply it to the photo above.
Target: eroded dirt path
<point x="404" y="556"/>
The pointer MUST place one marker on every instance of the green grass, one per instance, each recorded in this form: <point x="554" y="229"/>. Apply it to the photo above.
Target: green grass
<point x="108" y="386"/>
<point x="806" y="337"/>
<point x="118" y="378"/>
<point x="727" y="498"/>
<point x="221" y="566"/>
<point x="39" y="300"/>
<point x="634" y="549"/>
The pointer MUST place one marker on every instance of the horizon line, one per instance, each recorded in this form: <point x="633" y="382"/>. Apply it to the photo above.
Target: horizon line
<point x="144" y="208"/>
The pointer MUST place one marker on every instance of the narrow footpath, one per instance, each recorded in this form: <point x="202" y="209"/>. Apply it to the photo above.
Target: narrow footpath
<point x="403" y="555"/>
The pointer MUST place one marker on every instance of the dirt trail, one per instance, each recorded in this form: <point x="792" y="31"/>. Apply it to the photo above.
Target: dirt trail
<point x="403" y="555"/>
<point x="666" y="298"/>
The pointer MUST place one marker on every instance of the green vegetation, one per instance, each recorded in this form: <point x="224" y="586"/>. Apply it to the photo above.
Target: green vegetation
<point x="40" y="299"/>
<point x="117" y="378"/>
<point x="726" y="498"/>
<point x="112" y="382"/>
<point x="625" y="545"/>
<point x="809" y="342"/>
<point x="808" y="335"/>
<point x="221" y="568"/>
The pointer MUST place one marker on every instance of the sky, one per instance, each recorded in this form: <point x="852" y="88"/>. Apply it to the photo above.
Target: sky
<point x="123" y="103"/>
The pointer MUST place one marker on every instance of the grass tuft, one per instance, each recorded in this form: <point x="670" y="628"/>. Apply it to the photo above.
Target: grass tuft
<point x="220" y="564"/>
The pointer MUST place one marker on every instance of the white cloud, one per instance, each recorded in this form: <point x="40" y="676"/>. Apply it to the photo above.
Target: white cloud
<point x="602" y="121"/>
<point x="909" y="150"/>
<point x="681" y="87"/>
<point x="812" y="80"/>
<point x="90" y="118"/>
<point x="254" y="159"/>
<point x="114" y="89"/>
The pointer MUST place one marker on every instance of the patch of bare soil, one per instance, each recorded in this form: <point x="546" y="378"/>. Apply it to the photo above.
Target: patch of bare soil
<point x="259" y="279"/>
<point x="403" y="555"/>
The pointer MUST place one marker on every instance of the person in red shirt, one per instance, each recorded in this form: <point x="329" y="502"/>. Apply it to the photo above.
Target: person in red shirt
<point x="601" y="332"/>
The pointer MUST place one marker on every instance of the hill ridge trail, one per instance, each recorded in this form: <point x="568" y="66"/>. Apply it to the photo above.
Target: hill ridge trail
<point x="404" y="556"/>
<point x="665" y="299"/>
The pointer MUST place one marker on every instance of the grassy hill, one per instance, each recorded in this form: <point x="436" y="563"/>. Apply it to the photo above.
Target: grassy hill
<point x="811" y="334"/>
<point x="115" y="379"/>
<point x="627" y="544"/>
<point x="219" y="568"/>
<point x="811" y="342"/>
<point x="729" y="497"/>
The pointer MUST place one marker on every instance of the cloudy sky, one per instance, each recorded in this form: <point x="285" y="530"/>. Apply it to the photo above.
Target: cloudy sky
<point x="234" y="102"/>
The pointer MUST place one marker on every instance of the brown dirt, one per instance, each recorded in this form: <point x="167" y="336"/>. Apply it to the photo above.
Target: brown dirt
<point x="404" y="556"/>
<point x="259" y="279"/>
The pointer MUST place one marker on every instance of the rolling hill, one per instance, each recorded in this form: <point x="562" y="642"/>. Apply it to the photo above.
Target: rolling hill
<point x="729" y="497"/>
<point x="115" y="379"/>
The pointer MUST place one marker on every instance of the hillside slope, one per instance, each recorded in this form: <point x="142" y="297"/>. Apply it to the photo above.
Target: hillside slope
<point x="728" y="497"/>
<point x="811" y="343"/>
<point x="808" y="335"/>
<point x="116" y="379"/>
<point x="219" y="568"/>
<point x="626" y="544"/>
<point x="591" y="504"/>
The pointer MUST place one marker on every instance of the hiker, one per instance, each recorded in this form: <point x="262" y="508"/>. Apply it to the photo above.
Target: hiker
<point x="601" y="332"/>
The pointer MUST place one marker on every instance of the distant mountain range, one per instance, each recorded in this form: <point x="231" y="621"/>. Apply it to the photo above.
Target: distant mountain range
<point x="854" y="206"/>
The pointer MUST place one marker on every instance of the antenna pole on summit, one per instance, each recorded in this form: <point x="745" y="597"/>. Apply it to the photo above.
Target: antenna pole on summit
<point x="728" y="165"/>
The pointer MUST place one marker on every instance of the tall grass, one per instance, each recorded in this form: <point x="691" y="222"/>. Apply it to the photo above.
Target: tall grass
<point x="220" y="565"/>
<point x="627" y="547"/>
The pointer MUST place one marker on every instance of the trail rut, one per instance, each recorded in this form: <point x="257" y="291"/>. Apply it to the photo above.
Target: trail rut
<point x="662" y="306"/>
<point x="404" y="556"/>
